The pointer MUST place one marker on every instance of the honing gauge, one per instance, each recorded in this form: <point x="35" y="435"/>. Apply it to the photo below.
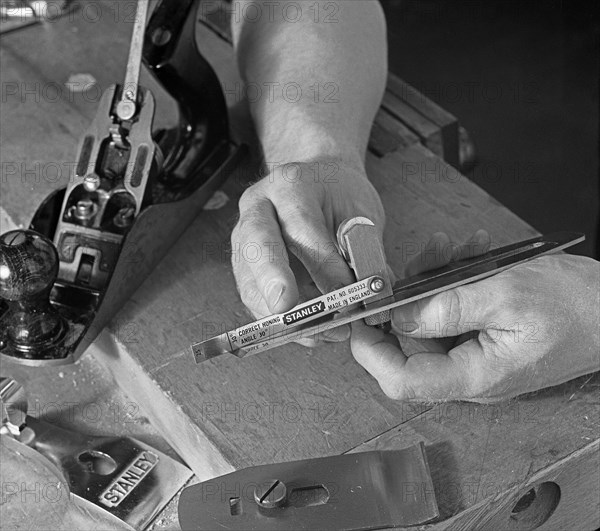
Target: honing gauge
<point x="373" y="296"/>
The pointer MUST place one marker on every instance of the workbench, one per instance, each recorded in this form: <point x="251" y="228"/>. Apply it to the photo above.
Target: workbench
<point x="293" y="402"/>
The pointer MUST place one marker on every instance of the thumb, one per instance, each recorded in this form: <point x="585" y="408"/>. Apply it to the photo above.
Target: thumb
<point x="312" y="243"/>
<point x="309" y="239"/>
<point x="453" y="312"/>
<point x="423" y="376"/>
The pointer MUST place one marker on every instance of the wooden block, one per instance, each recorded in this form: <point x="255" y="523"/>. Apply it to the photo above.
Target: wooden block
<point x="389" y="135"/>
<point x="427" y="131"/>
<point x="447" y="123"/>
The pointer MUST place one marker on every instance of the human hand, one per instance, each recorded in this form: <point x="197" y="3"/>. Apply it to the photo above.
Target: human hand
<point x="298" y="207"/>
<point x="529" y="327"/>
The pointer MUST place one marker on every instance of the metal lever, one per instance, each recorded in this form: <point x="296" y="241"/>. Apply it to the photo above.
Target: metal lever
<point x="126" y="108"/>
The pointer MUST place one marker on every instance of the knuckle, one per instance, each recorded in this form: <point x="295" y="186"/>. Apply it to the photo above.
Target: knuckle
<point x="250" y="295"/>
<point x="451" y="308"/>
<point x="262" y="275"/>
<point x="475" y="389"/>
<point x="299" y="215"/>
<point x="397" y="390"/>
<point x="235" y="233"/>
<point x="476" y="379"/>
<point x="510" y="292"/>
<point x="250" y="197"/>
<point x="250" y="220"/>
<point x="471" y="386"/>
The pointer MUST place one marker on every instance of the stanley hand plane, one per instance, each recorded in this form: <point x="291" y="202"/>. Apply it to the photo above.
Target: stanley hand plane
<point x="136" y="186"/>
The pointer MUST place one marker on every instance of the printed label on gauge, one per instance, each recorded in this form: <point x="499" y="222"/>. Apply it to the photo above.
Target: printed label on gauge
<point x="264" y="329"/>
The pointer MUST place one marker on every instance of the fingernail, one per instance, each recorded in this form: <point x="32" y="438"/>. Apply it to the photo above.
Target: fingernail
<point x="274" y="293"/>
<point x="409" y="328"/>
<point x="337" y="335"/>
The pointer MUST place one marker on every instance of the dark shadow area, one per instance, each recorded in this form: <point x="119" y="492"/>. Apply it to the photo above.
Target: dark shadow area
<point x="522" y="78"/>
<point x="451" y="496"/>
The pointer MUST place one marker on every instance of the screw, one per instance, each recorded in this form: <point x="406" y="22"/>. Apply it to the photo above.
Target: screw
<point x="124" y="217"/>
<point x="126" y="108"/>
<point x="84" y="207"/>
<point x="270" y="494"/>
<point x="83" y="211"/>
<point x="161" y="36"/>
<point x="377" y="284"/>
<point x="91" y="182"/>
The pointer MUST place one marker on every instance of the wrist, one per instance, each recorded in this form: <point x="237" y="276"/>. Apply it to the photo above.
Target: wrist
<point x="304" y="141"/>
<point x="325" y="169"/>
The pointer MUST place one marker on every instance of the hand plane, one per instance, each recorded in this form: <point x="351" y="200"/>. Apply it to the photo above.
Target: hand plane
<point x="112" y="477"/>
<point x="373" y="295"/>
<point x="134" y="189"/>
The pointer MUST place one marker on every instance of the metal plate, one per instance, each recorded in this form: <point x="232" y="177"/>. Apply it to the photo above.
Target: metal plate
<point x="370" y="490"/>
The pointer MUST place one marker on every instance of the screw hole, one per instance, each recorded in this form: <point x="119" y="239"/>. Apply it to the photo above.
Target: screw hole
<point x="309" y="496"/>
<point x="524" y="502"/>
<point x="98" y="462"/>
<point x="535" y="507"/>
<point x="235" y="506"/>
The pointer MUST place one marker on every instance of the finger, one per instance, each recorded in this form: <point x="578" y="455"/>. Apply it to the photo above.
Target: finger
<point x="426" y="376"/>
<point x="309" y="342"/>
<point x="412" y="345"/>
<point x="334" y="335"/>
<point x="373" y="350"/>
<point x="259" y="258"/>
<point x="435" y="254"/>
<point x="309" y="290"/>
<point x="307" y="236"/>
<point x="478" y="244"/>
<point x="456" y="311"/>
<point x="440" y="251"/>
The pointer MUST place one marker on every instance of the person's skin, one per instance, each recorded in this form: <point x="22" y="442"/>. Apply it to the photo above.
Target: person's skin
<point x="336" y="54"/>
<point x="529" y="327"/>
<point x="533" y="326"/>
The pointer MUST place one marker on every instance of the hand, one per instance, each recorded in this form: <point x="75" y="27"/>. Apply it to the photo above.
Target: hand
<point x="529" y="327"/>
<point x="298" y="207"/>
